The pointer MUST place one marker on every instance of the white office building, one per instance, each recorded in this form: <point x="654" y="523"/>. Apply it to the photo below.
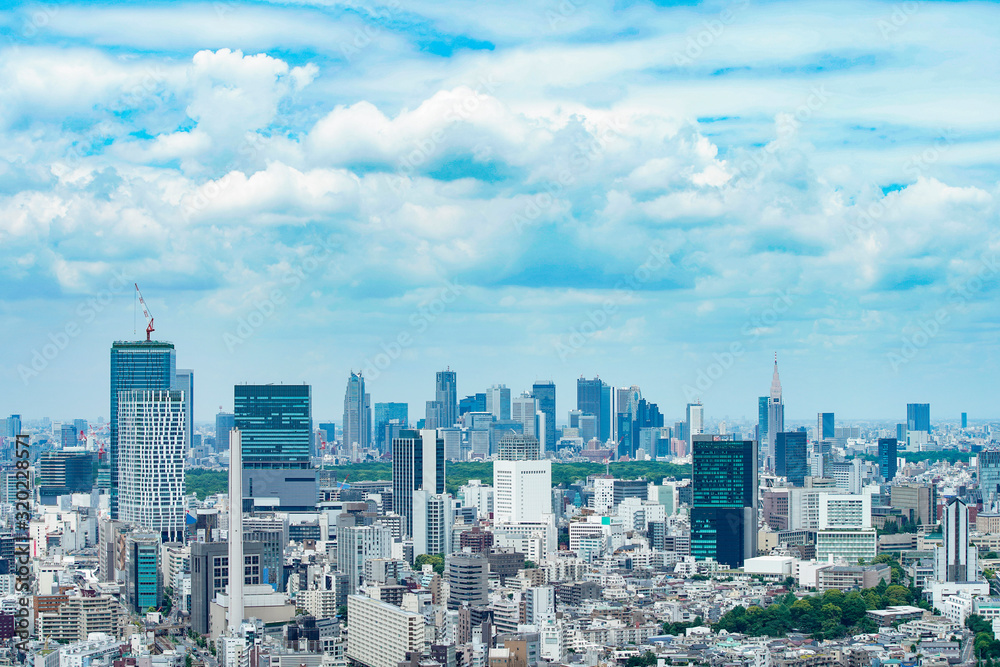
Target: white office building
<point x="522" y="490"/>
<point x="433" y="518"/>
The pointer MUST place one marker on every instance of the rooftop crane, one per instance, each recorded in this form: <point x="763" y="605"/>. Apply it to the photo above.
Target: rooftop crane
<point x="145" y="312"/>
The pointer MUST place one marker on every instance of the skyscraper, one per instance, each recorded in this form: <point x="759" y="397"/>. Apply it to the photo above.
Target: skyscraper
<point x="545" y="394"/>
<point x="790" y="457"/>
<point x="184" y="381"/>
<point x="275" y="424"/>
<point x="14" y="426"/>
<point x="224" y="423"/>
<point x="988" y="470"/>
<point x="523" y="409"/>
<point x="694" y="421"/>
<point x="498" y="401"/>
<point x="824" y="426"/>
<point x="474" y="403"/>
<point x="762" y="418"/>
<point x="433" y="519"/>
<point x="887" y="458"/>
<point x="518" y="447"/>
<point x="384" y="414"/>
<point x="724" y="499"/>
<point x="593" y="397"/>
<point x="357" y="413"/>
<point x="151" y="447"/>
<point x="418" y="462"/>
<point x="775" y="415"/>
<point x="135" y="365"/>
<point x="143" y="580"/>
<point x="957" y="559"/>
<point x="918" y="417"/>
<point x="446" y="393"/>
<point x="965" y="420"/>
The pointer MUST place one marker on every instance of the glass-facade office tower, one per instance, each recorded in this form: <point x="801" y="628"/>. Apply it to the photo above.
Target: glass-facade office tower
<point x="184" y="381"/>
<point x="151" y="451"/>
<point x="474" y="403"/>
<point x="724" y="499"/>
<point x="824" y="426"/>
<point x="275" y="421"/>
<point x="790" y="459"/>
<point x="593" y="397"/>
<point x="357" y="413"/>
<point x="918" y="417"/>
<point x="446" y="395"/>
<point x="386" y="413"/>
<point x="545" y="394"/>
<point x="762" y="419"/>
<point x="135" y="365"/>
<point x="224" y="423"/>
<point x="887" y="459"/>
<point x="498" y="401"/>
<point x="418" y="462"/>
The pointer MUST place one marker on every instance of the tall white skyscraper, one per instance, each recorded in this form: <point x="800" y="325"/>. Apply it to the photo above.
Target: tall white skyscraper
<point x="695" y="421"/>
<point x="433" y="518"/>
<point x="152" y="449"/>
<point x="522" y="491"/>
<point x="523" y="409"/>
<point x="236" y="583"/>
<point x="775" y="416"/>
<point x="957" y="560"/>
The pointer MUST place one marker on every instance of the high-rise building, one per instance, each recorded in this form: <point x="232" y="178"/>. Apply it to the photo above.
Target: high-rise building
<point x="63" y="473"/>
<point x="380" y="634"/>
<point x="356" y="545"/>
<point x="762" y="418"/>
<point x="143" y="579"/>
<point x="694" y="421"/>
<point x="545" y="394"/>
<point x="824" y="426"/>
<point x="474" y="403"/>
<point x="357" y="413"/>
<point x="434" y="415"/>
<point x="522" y="490"/>
<point x="224" y="423"/>
<point x="918" y="417"/>
<point x="275" y="424"/>
<point x="135" y="365"/>
<point x="468" y="580"/>
<point x="498" y="401"/>
<point x="593" y="397"/>
<point x="14" y="426"/>
<point x="518" y="447"/>
<point x="184" y="381"/>
<point x="775" y="416"/>
<point x="917" y="501"/>
<point x="988" y="469"/>
<point x="150" y="432"/>
<point x="965" y="420"/>
<point x="433" y="519"/>
<point x="523" y="409"/>
<point x="384" y="414"/>
<point x="446" y="394"/>
<point x="724" y="509"/>
<point x="418" y="462"/>
<point x="790" y="457"/>
<point x="887" y="458"/>
<point x="957" y="559"/>
<point x="210" y="576"/>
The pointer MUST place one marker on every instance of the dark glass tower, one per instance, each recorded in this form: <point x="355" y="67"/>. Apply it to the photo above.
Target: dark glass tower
<point x="545" y="394"/>
<point x="918" y="417"/>
<point x="446" y="394"/>
<point x="724" y="502"/>
<point x="593" y="397"/>
<point x="417" y="463"/>
<point x="762" y="419"/>
<point x="824" y="426"/>
<point x="275" y="421"/>
<point x="790" y="457"/>
<point x="887" y="458"/>
<point x="135" y="365"/>
<point x="384" y="414"/>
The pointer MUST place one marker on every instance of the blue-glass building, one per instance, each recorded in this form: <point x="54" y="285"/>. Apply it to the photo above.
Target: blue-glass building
<point x="790" y="457"/>
<point x="887" y="458"/>
<point x="135" y="365"/>
<point x="474" y="403"/>
<point x="593" y="397"/>
<point x="142" y="579"/>
<point x="724" y="499"/>
<point x="918" y="417"/>
<point x="275" y="421"/>
<point x="824" y="426"/>
<point x="545" y="394"/>
<point x="762" y="402"/>
<point x="386" y="413"/>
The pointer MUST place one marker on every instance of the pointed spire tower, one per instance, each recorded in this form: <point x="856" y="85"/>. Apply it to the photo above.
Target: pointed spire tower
<point x="775" y="416"/>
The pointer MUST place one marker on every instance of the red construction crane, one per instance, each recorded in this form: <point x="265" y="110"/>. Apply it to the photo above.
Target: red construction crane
<point x="145" y="313"/>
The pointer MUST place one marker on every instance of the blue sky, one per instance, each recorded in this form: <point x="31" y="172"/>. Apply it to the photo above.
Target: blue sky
<point x="663" y="194"/>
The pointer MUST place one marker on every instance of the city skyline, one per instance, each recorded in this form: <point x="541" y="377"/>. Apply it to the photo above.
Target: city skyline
<point x="678" y="201"/>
